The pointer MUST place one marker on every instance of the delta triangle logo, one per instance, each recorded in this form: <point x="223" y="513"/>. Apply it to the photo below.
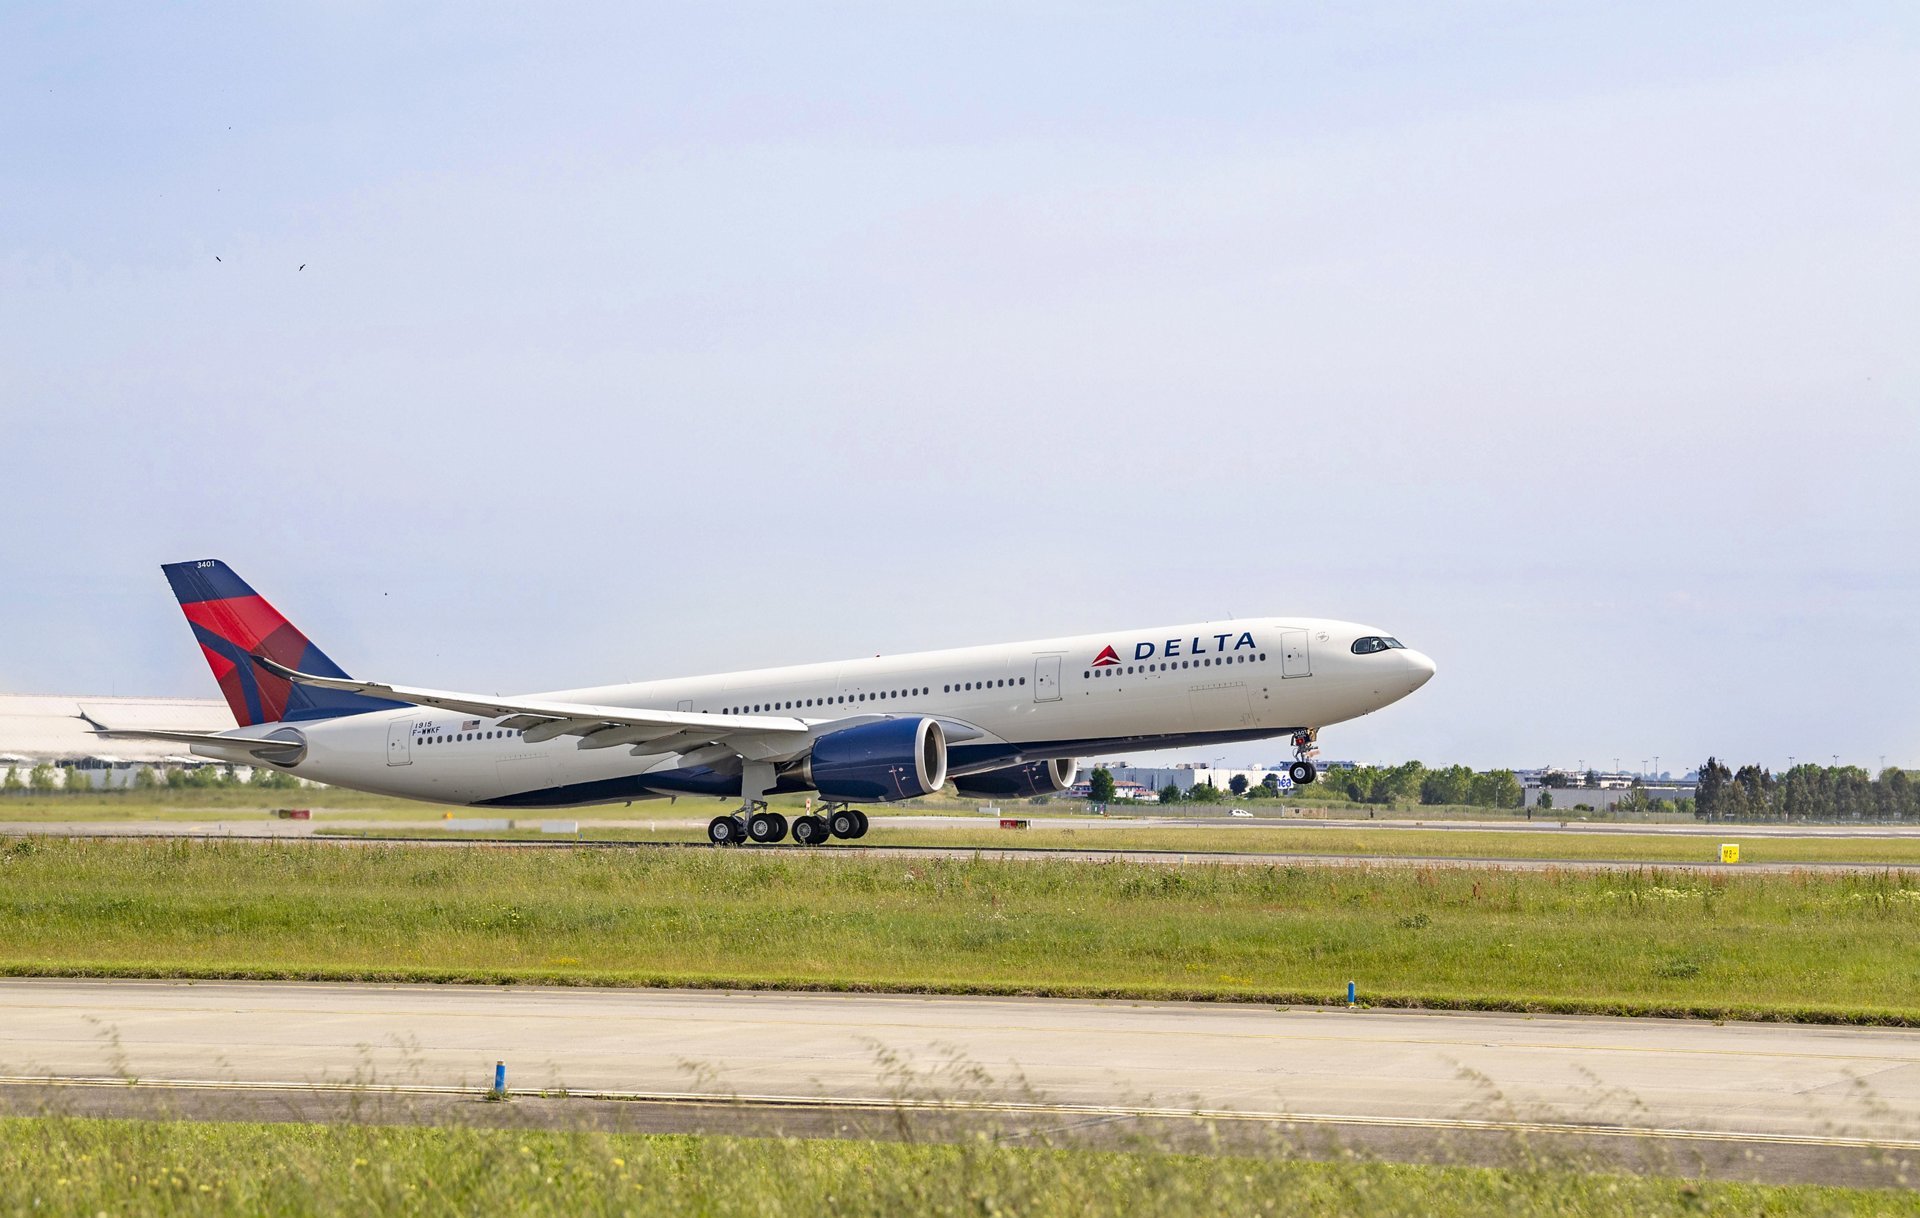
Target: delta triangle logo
<point x="1106" y="658"/>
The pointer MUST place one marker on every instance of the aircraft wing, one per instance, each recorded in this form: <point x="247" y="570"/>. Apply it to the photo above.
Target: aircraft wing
<point x="538" y="719"/>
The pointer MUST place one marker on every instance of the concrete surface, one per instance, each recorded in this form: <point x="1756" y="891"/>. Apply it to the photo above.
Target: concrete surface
<point x="1747" y="1094"/>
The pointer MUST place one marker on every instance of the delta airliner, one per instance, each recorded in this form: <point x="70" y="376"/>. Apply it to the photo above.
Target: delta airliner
<point x="1005" y="720"/>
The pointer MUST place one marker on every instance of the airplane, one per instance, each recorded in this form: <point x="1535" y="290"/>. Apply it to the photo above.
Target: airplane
<point x="1005" y="720"/>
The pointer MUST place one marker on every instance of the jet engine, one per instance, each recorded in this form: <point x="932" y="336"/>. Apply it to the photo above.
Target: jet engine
<point x="887" y="760"/>
<point x="1021" y="781"/>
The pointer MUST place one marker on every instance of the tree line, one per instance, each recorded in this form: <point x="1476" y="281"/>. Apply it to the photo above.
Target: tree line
<point x="40" y="780"/>
<point x="1411" y="781"/>
<point x="1805" y="792"/>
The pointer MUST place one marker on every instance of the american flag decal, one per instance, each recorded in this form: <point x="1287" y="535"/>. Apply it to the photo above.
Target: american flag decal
<point x="471" y="725"/>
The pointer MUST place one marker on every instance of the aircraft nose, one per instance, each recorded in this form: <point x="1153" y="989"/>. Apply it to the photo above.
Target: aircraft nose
<point x="1420" y="668"/>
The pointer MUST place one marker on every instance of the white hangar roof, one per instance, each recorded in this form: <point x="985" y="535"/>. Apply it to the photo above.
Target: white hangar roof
<point x="48" y="727"/>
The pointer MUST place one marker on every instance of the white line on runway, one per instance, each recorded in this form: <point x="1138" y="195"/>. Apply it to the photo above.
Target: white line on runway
<point x="708" y="1099"/>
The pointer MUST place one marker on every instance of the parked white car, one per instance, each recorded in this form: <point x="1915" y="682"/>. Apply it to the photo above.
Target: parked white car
<point x="1239" y="812"/>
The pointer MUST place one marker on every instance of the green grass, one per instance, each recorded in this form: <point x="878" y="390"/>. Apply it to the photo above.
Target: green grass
<point x="1797" y="946"/>
<point x="136" y="1168"/>
<point x="1240" y="838"/>
<point x="1422" y="843"/>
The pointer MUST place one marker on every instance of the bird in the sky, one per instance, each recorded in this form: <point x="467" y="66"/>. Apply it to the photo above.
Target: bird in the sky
<point x="216" y="257"/>
<point x="303" y="266"/>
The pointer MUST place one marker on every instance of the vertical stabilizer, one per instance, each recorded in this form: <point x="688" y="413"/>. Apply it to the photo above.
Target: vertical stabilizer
<point x="233" y="622"/>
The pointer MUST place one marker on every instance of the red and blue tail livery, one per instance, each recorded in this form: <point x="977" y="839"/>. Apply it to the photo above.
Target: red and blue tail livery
<point x="234" y="623"/>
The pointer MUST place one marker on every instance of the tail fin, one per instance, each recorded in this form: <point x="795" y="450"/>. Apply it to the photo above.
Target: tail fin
<point x="232" y="623"/>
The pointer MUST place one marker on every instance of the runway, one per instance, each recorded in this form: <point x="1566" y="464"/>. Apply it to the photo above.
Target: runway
<point x="255" y="832"/>
<point x="1792" y="1094"/>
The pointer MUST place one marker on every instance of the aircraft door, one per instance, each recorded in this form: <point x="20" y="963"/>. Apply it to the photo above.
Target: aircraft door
<point x="1295" y="661"/>
<point x="400" y="742"/>
<point x="685" y="704"/>
<point x="1046" y="679"/>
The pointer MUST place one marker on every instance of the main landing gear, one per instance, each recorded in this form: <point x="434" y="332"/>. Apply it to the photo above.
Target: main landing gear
<point x="754" y="821"/>
<point x="1303" y="771"/>
<point x="759" y="824"/>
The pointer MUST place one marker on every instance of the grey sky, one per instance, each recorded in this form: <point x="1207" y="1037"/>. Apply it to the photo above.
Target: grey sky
<point x="1576" y="346"/>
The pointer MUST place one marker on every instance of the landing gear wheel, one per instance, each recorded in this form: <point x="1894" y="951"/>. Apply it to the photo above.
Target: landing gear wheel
<point x="726" y="830"/>
<point x="1302" y="773"/>
<point x="845" y="823"/>
<point x="862" y="830"/>
<point x="766" y="827"/>
<point x="810" y="830"/>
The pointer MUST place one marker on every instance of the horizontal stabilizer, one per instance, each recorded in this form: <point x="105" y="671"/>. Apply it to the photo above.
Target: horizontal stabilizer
<point x="259" y="746"/>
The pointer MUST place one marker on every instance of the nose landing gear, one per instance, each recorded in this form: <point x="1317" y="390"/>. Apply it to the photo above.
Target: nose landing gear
<point x="1305" y="749"/>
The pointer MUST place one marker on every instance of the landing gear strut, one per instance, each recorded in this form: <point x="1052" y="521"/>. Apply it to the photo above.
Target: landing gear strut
<point x="1303" y="771"/>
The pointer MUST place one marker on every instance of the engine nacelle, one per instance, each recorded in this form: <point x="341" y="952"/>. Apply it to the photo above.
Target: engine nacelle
<point x="1021" y="781"/>
<point x="891" y="759"/>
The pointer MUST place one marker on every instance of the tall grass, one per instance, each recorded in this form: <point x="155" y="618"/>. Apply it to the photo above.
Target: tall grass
<point x="1800" y="946"/>
<point x="137" y="1168"/>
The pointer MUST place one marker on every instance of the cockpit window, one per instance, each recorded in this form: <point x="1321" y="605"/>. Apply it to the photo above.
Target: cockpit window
<point x="1371" y="643"/>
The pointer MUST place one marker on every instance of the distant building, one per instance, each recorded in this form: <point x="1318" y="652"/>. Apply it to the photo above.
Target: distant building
<point x="41" y="729"/>
<point x="1605" y="796"/>
<point x="1187" y="776"/>
<point x="1121" y="790"/>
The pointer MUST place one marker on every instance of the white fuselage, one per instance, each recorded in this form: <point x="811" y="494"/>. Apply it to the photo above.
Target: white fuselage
<point x="1001" y="705"/>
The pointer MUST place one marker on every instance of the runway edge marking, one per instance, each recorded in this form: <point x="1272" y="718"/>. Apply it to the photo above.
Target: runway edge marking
<point x="1089" y="1110"/>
